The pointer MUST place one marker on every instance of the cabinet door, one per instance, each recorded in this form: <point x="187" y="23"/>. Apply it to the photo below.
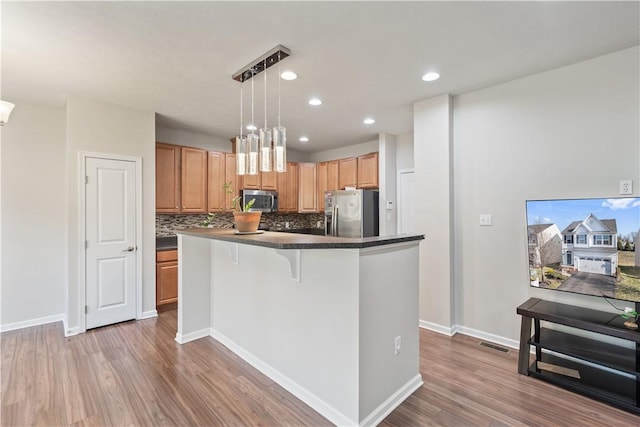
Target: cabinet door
<point x="284" y="199"/>
<point x="166" y="282"/>
<point x="167" y="178"/>
<point x="321" y="185"/>
<point x="215" y="181"/>
<point x="194" y="180"/>
<point x="230" y="178"/>
<point x="250" y="182"/>
<point x="368" y="171"/>
<point x="308" y="192"/>
<point x="333" y="174"/>
<point x="293" y="172"/>
<point x="347" y="172"/>
<point x="268" y="180"/>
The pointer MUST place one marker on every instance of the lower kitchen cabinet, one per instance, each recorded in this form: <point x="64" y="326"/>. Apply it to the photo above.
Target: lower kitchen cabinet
<point x="166" y="279"/>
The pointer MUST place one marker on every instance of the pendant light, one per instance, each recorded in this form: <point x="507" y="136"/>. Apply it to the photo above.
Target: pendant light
<point x="241" y="145"/>
<point x="252" y="142"/>
<point x="279" y="137"/>
<point x="266" y="151"/>
<point x="265" y="135"/>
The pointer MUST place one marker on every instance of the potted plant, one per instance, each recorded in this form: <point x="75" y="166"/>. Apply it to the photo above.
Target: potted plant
<point x="246" y="221"/>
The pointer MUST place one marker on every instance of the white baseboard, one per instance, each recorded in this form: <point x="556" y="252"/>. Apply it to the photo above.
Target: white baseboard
<point x="32" y="322"/>
<point x="192" y="336"/>
<point x="287" y="383"/>
<point x="441" y="329"/>
<point x="395" y="400"/>
<point x="149" y="314"/>
<point x="485" y="336"/>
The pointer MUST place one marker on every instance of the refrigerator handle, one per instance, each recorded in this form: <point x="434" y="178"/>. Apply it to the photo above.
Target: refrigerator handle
<point x="334" y="222"/>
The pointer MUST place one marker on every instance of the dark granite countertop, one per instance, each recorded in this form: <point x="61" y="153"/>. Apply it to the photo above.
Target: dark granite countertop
<point x="276" y="240"/>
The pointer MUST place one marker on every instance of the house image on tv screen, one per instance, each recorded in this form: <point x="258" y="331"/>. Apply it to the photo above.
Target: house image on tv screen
<point x="590" y="246"/>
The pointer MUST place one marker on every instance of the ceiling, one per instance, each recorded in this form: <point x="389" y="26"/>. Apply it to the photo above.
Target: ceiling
<point x="361" y="58"/>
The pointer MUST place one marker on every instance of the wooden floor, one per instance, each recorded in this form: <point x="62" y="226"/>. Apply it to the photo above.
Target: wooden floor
<point x="135" y="373"/>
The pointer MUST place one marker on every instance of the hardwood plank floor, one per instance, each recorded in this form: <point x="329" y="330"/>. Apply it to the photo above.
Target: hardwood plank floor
<point x="134" y="373"/>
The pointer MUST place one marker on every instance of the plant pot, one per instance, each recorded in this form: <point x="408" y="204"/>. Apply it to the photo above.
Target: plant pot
<point x="247" y="222"/>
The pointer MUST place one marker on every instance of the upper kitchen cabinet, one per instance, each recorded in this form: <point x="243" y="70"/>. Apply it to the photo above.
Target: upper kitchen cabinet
<point x="231" y="178"/>
<point x="307" y="191"/>
<point x="216" y="167"/>
<point x="167" y="178"/>
<point x="193" y="192"/>
<point x="268" y="180"/>
<point x="368" y="171"/>
<point x="250" y="182"/>
<point x="347" y="172"/>
<point x="321" y="184"/>
<point x="288" y="188"/>
<point x="333" y="174"/>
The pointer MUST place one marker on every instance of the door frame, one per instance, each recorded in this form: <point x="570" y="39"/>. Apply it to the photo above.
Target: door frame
<point x="398" y="193"/>
<point x="82" y="232"/>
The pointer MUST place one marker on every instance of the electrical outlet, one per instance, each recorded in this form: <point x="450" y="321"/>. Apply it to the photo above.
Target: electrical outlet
<point x="626" y="187"/>
<point x="286" y="224"/>
<point x="397" y="345"/>
<point x="485" y="219"/>
<point x="319" y="224"/>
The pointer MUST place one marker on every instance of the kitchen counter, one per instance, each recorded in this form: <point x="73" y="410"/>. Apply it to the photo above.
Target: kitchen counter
<point x="332" y="320"/>
<point x="288" y="240"/>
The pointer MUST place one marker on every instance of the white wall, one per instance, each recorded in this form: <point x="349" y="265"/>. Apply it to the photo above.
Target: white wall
<point x="192" y="139"/>
<point x="105" y="128"/>
<point x="434" y="214"/>
<point x="34" y="209"/>
<point x="570" y="132"/>
<point x="343" y="152"/>
<point x="387" y="174"/>
<point x="404" y="151"/>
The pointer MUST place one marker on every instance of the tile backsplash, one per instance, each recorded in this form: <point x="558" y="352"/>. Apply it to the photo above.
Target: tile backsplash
<point x="166" y="224"/>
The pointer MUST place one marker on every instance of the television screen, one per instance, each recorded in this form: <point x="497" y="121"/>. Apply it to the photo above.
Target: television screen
<point x="586" y="246"/>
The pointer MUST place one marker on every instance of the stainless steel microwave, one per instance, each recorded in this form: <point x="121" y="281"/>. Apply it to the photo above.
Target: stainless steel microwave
<point x="266" y="201"/>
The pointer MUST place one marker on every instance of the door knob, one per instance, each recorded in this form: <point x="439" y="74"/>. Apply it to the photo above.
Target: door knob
<point x="129" y="249"/>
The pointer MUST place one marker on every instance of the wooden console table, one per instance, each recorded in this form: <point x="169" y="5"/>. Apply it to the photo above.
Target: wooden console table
<point x="581" y="362"/>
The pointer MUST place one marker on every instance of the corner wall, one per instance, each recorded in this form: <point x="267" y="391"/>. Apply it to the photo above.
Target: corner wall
<point x="104" y="128"/>
<point x="572" y="132"/>
<point x="34" y="217"/>
<point x="567" y="133"/>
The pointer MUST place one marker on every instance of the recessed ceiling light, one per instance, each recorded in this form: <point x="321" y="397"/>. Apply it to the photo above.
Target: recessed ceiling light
<point x="251" y="127"/>
<point x="288" y="75"/>
<point x="431" y="76"/>
<point x="304" y="139"/>
<point x="368" y="121"/>
<point x="315" y="101"/>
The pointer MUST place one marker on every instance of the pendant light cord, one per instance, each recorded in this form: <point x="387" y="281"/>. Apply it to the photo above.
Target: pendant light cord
<point x="265" y="95"/>
<point x="253" y="124"/>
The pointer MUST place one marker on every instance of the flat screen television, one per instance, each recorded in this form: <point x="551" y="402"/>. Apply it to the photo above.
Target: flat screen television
<point x="585" y="246"/>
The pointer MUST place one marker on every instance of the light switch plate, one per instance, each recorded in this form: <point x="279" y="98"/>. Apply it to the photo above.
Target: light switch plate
<point x="485" y="219"/>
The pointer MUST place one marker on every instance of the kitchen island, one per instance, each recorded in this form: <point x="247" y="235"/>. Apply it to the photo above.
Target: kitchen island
<point x="332" y="320"/>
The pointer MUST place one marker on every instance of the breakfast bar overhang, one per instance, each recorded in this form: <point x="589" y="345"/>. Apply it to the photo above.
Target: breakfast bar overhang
<point x="332" y="320"/>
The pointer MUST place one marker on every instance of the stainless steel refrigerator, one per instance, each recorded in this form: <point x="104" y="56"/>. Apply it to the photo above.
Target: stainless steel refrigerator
<point x="351" y="213"/>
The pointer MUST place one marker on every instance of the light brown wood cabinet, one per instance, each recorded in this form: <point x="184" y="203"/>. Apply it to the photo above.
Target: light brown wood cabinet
<point x="347" y="172"/>
<point x="368" y="170"/>
<point x="307" y="191"/>
<point x="268" y="180"/>
<point x="230" y="178"/>
<point x="181" y="179"/>
<point x="166" y="278"/>
<point x="250" y="182"/>
<point x="321" y="184"/>
<point x="193" y="184"/>
<point x="288" y="188"/>
<point x="167" y="178"/>
<point x="333" y="175"/>
<point x="216" y="175"/>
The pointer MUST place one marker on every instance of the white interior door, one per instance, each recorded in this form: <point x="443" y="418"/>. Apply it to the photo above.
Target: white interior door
<point x="110" y="195"/>
<point x="406" y="202"/>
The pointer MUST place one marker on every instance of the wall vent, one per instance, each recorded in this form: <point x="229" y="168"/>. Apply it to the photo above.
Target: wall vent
<point x="494" y="347"/>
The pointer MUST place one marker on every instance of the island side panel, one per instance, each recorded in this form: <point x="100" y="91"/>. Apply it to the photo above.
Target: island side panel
<point x="306" y="331"/>
<point x="194" y="288"/>
<point x="389" y="299"/>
